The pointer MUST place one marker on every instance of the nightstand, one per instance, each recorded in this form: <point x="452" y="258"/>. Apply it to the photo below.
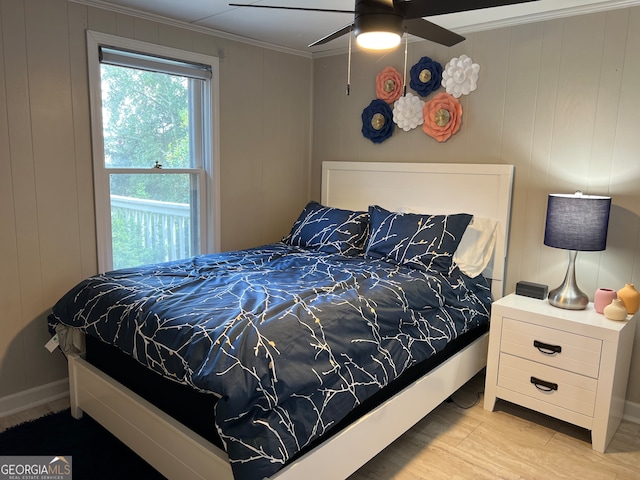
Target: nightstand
<point x="569" y="364"/>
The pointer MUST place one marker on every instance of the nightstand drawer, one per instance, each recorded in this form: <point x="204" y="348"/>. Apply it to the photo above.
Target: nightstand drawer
<point x="558" y="387"/>
<point x="556" y="348"/>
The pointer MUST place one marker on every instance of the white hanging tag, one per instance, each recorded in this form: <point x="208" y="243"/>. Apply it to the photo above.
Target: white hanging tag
<point x="52" y="344"/>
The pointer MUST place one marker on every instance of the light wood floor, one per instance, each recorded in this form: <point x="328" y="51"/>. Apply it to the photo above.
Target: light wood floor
<point x="473" y="444"/>
<point x="509" y="443"/>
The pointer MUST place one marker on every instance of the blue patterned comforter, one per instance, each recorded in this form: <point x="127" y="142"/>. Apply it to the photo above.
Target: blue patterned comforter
<point x="289" y="339"/>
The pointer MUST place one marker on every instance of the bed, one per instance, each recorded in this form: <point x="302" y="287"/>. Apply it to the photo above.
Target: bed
<point x="357" y="324"/>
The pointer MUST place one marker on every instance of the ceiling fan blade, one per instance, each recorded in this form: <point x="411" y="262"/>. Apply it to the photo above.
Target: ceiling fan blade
<point x="305" y="9"/>
<point x="332" y="36"/>
<point x="430" y="31"/>
<point x="419" y="9"/>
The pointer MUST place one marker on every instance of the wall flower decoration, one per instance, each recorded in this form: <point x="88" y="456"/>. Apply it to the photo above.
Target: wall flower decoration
<point x="442" y="116"/>
<point x="426" y="76"/>
<point x="377" y="121"/>
<point x="407" y="112"/>
<point x="460" y="76"/>
<point x="389" y="85"/>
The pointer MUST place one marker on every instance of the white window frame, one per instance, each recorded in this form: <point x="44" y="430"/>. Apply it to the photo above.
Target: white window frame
<point x="209" y="197"/>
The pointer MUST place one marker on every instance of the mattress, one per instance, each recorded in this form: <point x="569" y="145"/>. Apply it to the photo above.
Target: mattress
<point x="171" y="397"/>
<point x="286" y="340"/>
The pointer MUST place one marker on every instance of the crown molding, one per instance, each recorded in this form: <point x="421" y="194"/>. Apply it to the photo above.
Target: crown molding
<point x="571" y="11"/>
<point x="189" y="26"/>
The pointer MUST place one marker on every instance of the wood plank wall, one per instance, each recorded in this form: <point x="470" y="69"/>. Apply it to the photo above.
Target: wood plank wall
<point x="557" y="99"/>
<point x="47" y="230"/>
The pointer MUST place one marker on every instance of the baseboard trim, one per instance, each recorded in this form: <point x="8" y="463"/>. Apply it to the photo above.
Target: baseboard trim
<point x="33" y="397"/>
<point x="631" y="412"/>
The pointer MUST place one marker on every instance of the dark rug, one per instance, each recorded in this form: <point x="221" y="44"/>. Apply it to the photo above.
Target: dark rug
<point x="96" y="453"/>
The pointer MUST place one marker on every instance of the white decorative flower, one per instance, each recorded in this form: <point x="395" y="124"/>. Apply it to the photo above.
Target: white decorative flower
<point x="460" y="76"/>
<point x="407" y="112"/>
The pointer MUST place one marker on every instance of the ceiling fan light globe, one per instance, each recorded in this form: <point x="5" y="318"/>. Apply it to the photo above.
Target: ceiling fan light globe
<point x="378" y="40"/>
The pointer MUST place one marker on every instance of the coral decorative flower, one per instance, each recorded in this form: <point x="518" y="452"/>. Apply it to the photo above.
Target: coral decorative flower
<point x="442" y="116"/>
<point x="407" y="112"/>
<point x="377" y="121"/>
<point x="389" y="85"/>
<point x="426" y="76"/>
<point x="460" y="76"/>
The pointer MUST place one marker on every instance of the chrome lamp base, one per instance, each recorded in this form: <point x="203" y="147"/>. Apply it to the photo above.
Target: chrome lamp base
<point x="568" y="295"/>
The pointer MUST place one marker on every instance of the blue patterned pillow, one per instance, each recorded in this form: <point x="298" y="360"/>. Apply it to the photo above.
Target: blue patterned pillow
<point x="423" y="242"/>
<point x="330" y="230"/>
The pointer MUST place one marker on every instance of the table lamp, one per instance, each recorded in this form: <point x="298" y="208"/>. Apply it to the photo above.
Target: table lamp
<point x="577" y="223"/>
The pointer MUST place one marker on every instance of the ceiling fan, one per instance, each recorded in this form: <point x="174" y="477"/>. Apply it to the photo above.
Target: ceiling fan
<point x="380" y="24"/>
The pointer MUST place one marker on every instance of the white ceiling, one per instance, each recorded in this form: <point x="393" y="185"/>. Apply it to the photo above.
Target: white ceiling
<point x="294" y="30"/>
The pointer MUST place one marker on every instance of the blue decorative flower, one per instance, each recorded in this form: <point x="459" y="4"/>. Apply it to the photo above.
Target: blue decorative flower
<point x="377" y="121"/>
<point x="426" y="76"/>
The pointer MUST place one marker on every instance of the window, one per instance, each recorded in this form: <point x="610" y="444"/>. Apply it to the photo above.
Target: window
<point x="154" y="128"/>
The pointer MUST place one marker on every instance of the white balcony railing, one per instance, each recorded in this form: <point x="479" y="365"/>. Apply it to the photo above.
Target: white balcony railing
<point x="159" y="231"/>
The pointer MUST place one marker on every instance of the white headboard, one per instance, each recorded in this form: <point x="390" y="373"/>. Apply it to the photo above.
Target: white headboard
<point x="435" y="188"/>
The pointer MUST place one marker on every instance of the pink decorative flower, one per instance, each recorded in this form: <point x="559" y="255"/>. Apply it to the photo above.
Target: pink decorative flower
<point x="389" y="85"/>
<point x="442" y="116"/>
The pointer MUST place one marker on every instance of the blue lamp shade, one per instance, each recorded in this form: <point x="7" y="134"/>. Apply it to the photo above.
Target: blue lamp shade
<point x="577" y="222"/>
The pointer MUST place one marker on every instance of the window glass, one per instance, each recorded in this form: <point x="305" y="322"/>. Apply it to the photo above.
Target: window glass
<point x="154" y="218"/>
<point x="145" y="118"/>
<point x="154" y="158"/>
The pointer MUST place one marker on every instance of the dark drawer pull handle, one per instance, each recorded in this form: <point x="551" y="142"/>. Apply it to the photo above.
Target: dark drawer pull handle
<point x="543" y="385"/>
<point x="546" y="348"/>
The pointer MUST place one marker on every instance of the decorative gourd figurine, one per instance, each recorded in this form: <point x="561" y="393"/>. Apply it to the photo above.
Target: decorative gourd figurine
<point x="630" y="298"/>
<point x="615" y="310"/>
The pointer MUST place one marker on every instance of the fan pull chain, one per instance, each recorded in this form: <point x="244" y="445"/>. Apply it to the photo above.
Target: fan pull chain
<point x="404" y="80"/>
<point x="349" y="67"/>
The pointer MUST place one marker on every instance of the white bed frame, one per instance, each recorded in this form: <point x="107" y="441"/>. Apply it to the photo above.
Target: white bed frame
<point x="178" y="453"/>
